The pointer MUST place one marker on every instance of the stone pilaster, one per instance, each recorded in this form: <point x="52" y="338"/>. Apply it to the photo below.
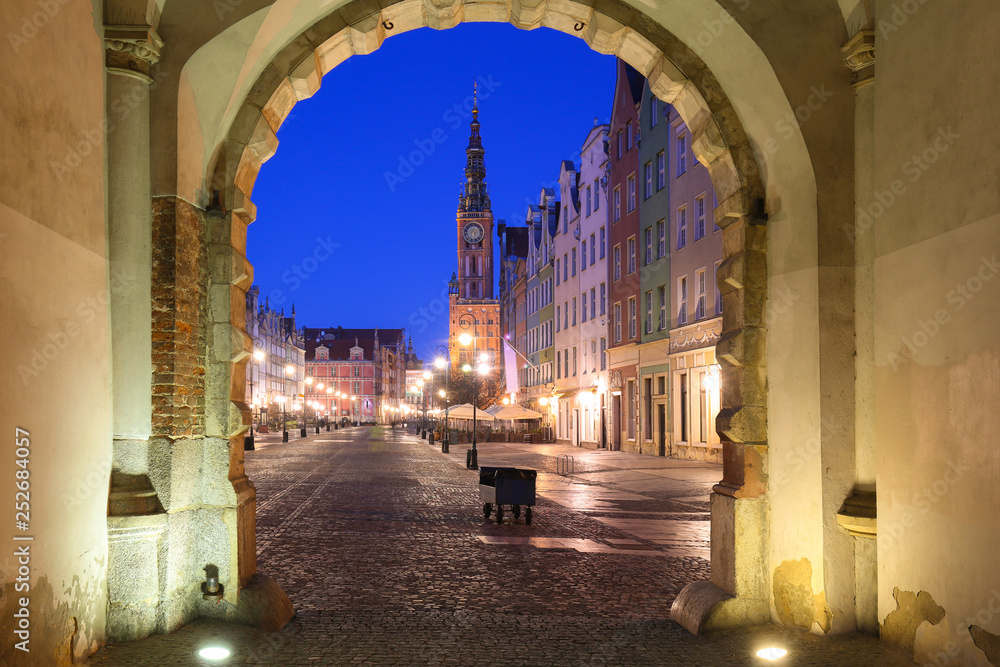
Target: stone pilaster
<point x="859" y="54"/>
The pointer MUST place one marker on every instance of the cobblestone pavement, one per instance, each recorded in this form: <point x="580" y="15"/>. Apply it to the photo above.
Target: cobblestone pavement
<point x="380" y="541"/>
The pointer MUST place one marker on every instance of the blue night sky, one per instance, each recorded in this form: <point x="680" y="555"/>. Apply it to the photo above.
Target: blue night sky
<point x="356" y="210"/>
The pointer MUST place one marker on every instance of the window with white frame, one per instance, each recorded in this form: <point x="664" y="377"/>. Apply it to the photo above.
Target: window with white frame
<point x="631" y="254"/>
<point x="597" y="195"/>
<point x="681" y="145"/>
<point x="602" y="242"/>
<point x="661" y="171"/>
<point x="649" y="311"/>
<point x="649" y="246"/>
<point x="653" y="111"/>
<point x="682" y="300"/>
<point x="661" y="239"/>
<point x="604" y="357"/>
<point x="574" y="360"/>
<point x="718" y="292"/>
<point x="617" y="203"/>
<point x="700" y="282"/>
<point x="618" y="322"/>
<point x="583" y="255"/>
<point x="566" y="314"/>
<point x="558" y="318"/>
<point x="588" y="201"/>
<point x="583" y="307"/>
<point x="593" y="354"/>
<point x="619" y="144"/>
<point x="573" y="255"/>
<point x="593" y="302"/>
<point x="593" y="249"/>
<point x="682" y="227"/>
<point x="617" y="260"/>
<point x="647" y="173"/>
<point x="604" y="297"/>
<point x="628" y="137"/>
<point x="630" y="182"/>
<point x="557" y="272"/>
<point x="574" y="309"/>
<point x="558" y="364"/>
<point x="699" y="222"/>
<point x="633" y="315"/>
<point x="663" y="307"/>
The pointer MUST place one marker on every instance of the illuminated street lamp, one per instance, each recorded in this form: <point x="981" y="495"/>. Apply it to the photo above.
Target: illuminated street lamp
<point x="289" y="369"/>
<point x="354" y="400"/>
<point x="472" y="457"/>
<point x="316" y="406"/>
<point x="443" y="365"/>
<point x="305" y="419"/>
<point x="329" y="397"/>
<point x="258" y="355"/>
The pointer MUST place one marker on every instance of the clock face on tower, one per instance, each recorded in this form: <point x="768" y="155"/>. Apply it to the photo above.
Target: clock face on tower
<point x="473" y="232"/>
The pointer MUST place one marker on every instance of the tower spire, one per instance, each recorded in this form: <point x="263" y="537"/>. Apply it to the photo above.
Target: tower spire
<point x="475" y="196"/>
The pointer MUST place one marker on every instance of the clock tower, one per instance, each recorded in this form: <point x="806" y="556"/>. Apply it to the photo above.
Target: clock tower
<point x="475" y="222"/>
<point x="473" y="310"/>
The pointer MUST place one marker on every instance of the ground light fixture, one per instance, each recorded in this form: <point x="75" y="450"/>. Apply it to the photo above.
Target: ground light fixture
<point x="772" y="653"/>
<point x="214" y="653"/>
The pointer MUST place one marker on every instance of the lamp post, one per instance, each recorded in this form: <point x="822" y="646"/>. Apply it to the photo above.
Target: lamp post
<point x="329" y="397"/>
<point x="316" y="406"/>
<point x="354" y="400"/>
<point x="423" y="416"/>
<point x="472" y="457"/>
<point x="258" y="355"/>
<point x="289" y="369"/>
<point x="443" y="365"/>
<point x="305" y="418"/>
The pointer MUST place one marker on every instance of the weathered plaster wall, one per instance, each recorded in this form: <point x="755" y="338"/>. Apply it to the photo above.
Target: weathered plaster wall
<point x="937" y="310"/>
<point x="53" y="314"/>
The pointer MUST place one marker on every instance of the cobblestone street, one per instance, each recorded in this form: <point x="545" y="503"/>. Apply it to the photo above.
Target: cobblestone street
<point x="380" y="541"/>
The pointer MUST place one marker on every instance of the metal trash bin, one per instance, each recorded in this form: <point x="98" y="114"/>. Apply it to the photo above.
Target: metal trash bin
<point x="507" y="486"/>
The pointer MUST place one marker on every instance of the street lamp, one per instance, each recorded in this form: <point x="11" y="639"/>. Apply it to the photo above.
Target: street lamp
<point x="354" y="400"/>
<point x="316" y="406"/>
<point x="443" y="365"/>
<point x="472" y="457"/>
<point x="305" y="419"/>
<point x="258" y="355"/>
<point x="329" y="397"/>
<point x="289" y="369"/>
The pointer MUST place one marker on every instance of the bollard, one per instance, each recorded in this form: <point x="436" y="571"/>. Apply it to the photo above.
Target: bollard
<point x="430" y="438"/>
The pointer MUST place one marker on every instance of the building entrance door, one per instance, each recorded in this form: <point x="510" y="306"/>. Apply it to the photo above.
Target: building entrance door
<point x="661" y="414"/>
<point x="616" y="422"/>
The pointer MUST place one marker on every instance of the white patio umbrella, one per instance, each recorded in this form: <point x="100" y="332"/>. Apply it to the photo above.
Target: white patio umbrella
<point x="513" y="412"/>
<point x="464" y="411"/>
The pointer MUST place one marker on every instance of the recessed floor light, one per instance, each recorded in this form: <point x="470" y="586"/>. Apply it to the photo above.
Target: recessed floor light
<point x="772" y="653"/>
<point x="214" y="653"/>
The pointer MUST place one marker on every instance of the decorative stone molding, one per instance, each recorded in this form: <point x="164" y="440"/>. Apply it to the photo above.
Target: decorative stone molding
<point x="131" y="50"/>
<point x="859" y="54"/>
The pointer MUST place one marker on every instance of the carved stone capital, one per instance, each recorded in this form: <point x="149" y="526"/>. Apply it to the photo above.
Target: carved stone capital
<point x="131" y="50"/>
<point x="859" y="54"/>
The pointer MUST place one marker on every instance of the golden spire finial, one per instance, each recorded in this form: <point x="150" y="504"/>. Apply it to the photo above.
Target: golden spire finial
<point x="475" y="94"/>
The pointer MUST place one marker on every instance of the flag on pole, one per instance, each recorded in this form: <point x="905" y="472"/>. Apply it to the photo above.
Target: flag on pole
<point x="510" y="367"/>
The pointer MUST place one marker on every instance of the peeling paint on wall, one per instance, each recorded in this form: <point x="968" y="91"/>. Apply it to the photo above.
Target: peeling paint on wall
<point x="987" y="642"/>
<point x="794" y="599"/>
<point x="900" y="626"/>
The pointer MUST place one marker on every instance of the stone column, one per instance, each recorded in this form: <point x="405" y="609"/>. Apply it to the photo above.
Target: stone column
<point x="858" y="515"/>
<point x="135" y="516"/>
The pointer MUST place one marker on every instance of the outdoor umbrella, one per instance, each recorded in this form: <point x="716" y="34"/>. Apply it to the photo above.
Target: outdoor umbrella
<point x="513" y="412"/>
<point x="464" y="411"/>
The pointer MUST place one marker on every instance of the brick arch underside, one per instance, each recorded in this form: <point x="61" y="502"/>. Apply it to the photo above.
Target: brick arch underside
<point x="676" y="76"/>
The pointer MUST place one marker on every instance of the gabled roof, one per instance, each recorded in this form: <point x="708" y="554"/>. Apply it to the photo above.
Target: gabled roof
<point x="340" y="350"/>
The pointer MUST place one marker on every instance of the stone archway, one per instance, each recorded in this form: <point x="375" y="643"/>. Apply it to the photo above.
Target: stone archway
<point x="200" y="273"/>
<point x="295" y="74"/>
